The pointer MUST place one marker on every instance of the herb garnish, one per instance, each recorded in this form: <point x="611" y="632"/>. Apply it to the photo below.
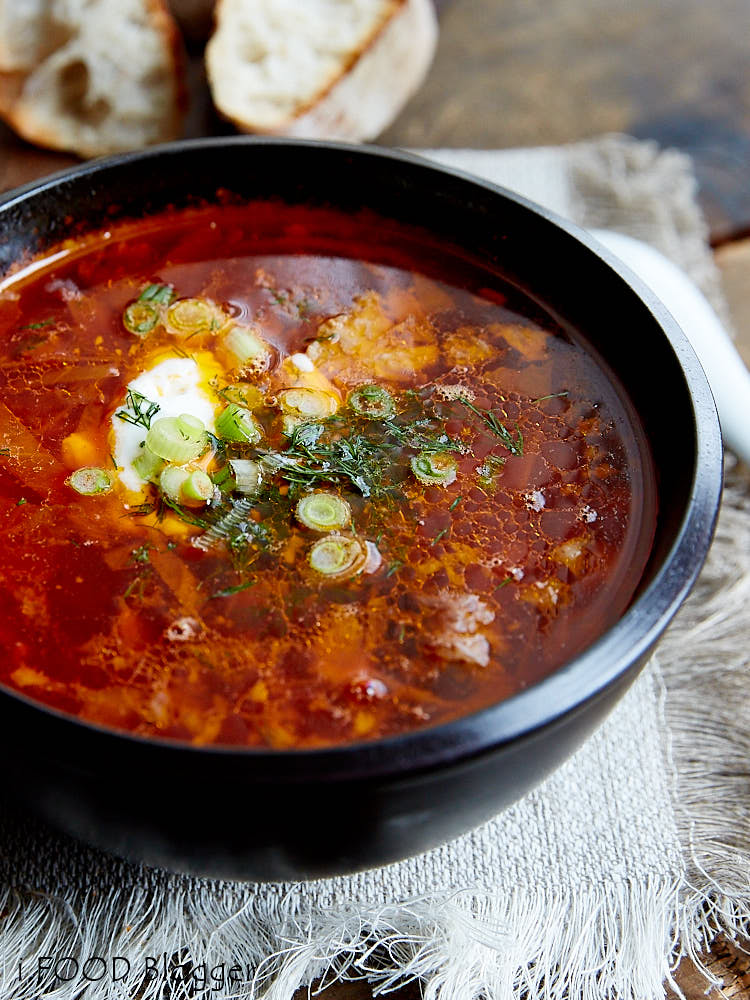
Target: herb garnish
<point x="455" y="503"/>
<point x="552" y="395"/>
<point x="513" y="444"/>
<point x="37" y="326"/>
<point x="140" y="558"/>
<point x="439" y="535"/>
<point x="503" y="582"/>
<point x="394" y="567"/>
<point x="138" y="410"/>
<point x="228" y="591"/>
<point x="162" y="294"/>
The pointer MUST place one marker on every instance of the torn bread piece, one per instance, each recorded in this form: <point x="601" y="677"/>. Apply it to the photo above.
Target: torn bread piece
<point x="91" y="77"/>
<point x="327" y="69"/>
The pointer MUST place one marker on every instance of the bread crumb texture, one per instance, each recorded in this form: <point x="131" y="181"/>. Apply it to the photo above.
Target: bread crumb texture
<point x="91" y="76"/>
<point x="324" y="69"/>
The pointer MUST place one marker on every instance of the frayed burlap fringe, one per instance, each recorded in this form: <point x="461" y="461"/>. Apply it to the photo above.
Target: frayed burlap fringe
<point x="618" y="939"/>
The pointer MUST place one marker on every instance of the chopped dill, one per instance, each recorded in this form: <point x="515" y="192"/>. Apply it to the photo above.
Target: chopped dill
<point x="142" y="509"/>
<point x="455" y="503"/>
<point x="552" y="395"/>
<point x="141" y="554"/>
<point x="21" y="502"/>
<point x="161" y="294"/>
<point x="228" y="591"/>
<point x="503" y="582"/>
<point x="37" y="326"/>
<point x="394" y="567"/>
<point x="439" y="535"/>
<point x="513" y="444"/>
<point x="184" y="513"/>
<point x="413" y="436"/>
<point x="138" y="410"/>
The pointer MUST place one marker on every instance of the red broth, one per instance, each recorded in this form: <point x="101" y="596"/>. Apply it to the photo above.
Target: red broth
<point x="483" y="493"/>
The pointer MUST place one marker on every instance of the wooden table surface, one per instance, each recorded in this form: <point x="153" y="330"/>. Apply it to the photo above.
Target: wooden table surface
<point x="541" y="72"/>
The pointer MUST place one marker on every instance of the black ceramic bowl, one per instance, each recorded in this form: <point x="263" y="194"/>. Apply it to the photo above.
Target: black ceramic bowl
<point x="272" y="815"/>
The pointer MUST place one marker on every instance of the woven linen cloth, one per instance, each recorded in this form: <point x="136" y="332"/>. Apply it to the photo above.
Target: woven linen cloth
<point x="632" y="854"/>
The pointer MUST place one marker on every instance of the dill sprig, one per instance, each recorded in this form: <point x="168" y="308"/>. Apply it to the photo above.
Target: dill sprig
<point x="413" y="436"/>
<point x="514" y="444"/>
<point x="228" y="591"/>
<point x="138" y="410"/>
<point x="551" y="395"/>
<point x="357" y="451"/>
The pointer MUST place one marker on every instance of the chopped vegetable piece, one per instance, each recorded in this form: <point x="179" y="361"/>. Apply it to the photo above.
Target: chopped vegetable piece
<point x="197" y="487"/>
<point x="171" y="480"/>
<point x="434" y="469"/>
<point x="338" y="557"/>
<point x="140" y="318"/>
<point x="324" y="512"/>
<point x="372" y="401"/>
<point x="177" y="439"/>
<point x="248" y="348"/>
<point x="191" y="487"/>
<point x="189" y="316"/>
<point x="90" y="481"/>
<point x="308" y="404"/>
<point x="236" y="423"/>
<point x="246" y="474"/>
<point x="163" y="294"/>
<point x="243" y="394"/>
<point x="148" y="465"/>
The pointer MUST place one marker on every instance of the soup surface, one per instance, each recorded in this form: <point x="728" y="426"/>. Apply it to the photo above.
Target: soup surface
<point x="269" y="479"/>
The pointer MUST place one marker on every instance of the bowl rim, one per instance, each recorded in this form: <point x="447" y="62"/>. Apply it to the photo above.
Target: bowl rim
<point x="567" y="688"/>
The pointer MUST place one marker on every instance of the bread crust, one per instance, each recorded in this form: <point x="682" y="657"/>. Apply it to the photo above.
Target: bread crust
<point x="406" y="28"/>
<point x="35" y="116"/>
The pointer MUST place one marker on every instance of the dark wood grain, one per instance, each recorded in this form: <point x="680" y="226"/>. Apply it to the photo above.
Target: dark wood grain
<point x="537" y="72"/>
<point x="530" y="72"/>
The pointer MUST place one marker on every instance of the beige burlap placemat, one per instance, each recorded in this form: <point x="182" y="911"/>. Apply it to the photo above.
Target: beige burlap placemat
<point x="634" y="853"/>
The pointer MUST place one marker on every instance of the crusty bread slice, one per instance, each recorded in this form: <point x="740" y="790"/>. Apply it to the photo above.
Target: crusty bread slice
<point x="333" y="69"/>
<point x="91" y="76"/>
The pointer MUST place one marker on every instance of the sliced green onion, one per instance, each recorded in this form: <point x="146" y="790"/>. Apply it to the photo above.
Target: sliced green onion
<point x="372" y="401"/>
<point x="90" y="481"/>
<point x="171" y="481"/>
<point x="191" y="487"/>
<point x="148" y="465"/>
<point x="236" y="423"/>
<point x="140" y="318"/>
<point x="198" y="487"/>
<point x="163" y="294"/>
<point x="434" y="469"/>
<point x="324" y="512"/>
<point x="248" y="348"/>
<point x="188" y="316"/>
<point x="246" y="474"/>
<point x="308" y="404"/>
<point x="338" y="557"/>
<point x="177" y="439"/>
